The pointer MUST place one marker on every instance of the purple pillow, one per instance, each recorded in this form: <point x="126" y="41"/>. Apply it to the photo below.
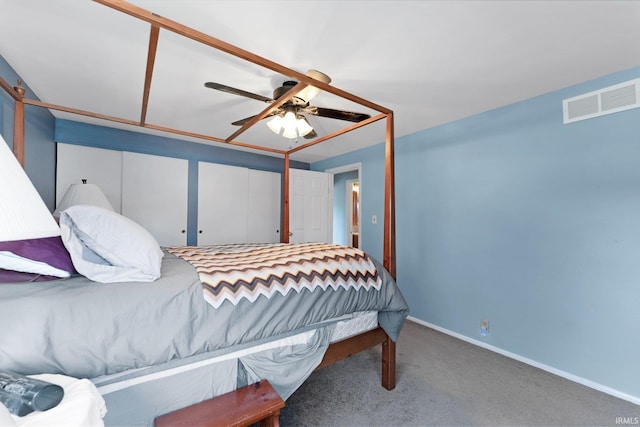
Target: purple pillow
<point x="48" y="250"/>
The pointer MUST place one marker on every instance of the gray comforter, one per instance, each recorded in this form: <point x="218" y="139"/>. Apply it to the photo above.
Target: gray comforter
<point x="86" y="329"/>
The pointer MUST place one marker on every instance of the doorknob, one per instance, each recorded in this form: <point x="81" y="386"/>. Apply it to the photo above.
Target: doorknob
<point x="290" y="234"/>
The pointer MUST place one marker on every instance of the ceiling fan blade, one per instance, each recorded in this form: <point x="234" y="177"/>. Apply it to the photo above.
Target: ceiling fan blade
<point x="234" y="91"/>
<point x="349" y="116"/>
<point x="242" y="122"/>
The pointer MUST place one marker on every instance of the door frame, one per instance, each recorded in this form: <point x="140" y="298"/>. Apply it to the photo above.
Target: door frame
<point x="350" y="168"/>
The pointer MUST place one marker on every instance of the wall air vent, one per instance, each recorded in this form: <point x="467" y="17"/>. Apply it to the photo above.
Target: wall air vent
<point x="612" y="99"/>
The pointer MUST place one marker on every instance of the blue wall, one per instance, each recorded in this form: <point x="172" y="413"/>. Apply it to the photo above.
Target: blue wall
<point x="40" y="149"/>
<point x="371" y="192"/>
<point x="514" y="217"/>
<point x="71" y="132"/>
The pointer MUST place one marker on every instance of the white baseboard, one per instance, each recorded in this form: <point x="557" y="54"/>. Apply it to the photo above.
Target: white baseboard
<point x="558" y="372"/>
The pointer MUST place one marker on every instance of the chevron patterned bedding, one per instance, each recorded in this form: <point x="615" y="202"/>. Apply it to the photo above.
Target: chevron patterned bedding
<point x="118" y="327"/>
<point x="233" y="272"/>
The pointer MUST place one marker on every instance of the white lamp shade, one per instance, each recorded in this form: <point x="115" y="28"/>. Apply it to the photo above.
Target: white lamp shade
<point x="82" y="194"/>
<point x="23" y="214"/>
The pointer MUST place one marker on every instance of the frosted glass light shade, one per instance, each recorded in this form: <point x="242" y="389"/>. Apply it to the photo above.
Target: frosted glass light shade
<point x="303" y="127"/>
<point x="82" y="194"/>
<point x="290" y="133"/>
<point x="290" y="125"/>
<point x="23" y="214"/>
<point x="289" y="120"/>
<point x="275" y="124"/>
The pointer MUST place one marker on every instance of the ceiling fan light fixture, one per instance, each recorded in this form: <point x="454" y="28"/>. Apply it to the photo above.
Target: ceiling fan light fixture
<point x="275" y="124"/>
<point x="286" y="118"/>
<point x="290" y="124"/>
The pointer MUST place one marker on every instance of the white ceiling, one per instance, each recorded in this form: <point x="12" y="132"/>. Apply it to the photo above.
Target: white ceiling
<point x="431" y="62"/>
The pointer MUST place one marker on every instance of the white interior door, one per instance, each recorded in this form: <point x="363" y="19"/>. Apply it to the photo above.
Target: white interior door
<point x="264" y="207"/>
<point x="154" y="194"/>
<point x="222" y="204"/>
<point x="311" y="205"/>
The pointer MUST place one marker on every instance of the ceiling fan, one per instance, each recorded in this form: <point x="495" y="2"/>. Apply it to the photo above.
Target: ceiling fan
<point x="290" y="116"/>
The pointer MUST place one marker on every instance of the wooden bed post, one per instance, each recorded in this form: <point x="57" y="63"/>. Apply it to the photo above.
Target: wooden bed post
<point x="284" y="236"/>
<point x="18" y="125"/>
<point x="389" y="364"/>
<point x="389" y="249"/>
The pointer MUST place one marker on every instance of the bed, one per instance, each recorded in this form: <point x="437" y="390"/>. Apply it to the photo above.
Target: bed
<point x="153" y="347"/>
<point x="216" y="318"/>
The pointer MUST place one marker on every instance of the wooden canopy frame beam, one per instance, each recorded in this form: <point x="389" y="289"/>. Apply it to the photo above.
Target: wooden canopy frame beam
<point x="151" y="59"/>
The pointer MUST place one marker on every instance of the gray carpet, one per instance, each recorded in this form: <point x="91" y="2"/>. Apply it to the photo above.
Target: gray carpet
<point x="443" y="381"/>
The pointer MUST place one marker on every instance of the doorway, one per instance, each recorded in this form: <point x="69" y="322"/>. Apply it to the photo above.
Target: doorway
<point x="347" y="205"/>
<point x="352" y="218"/>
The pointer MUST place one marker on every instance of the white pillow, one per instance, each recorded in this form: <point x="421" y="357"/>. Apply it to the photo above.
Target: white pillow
<point x="11" y="261"/>
<point x="107" y="247"/>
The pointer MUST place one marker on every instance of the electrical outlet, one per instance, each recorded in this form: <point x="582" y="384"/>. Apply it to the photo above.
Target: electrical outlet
<point x="484" y="327"/>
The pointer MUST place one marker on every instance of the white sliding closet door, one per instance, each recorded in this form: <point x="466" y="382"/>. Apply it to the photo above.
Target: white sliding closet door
<point x="222" y="204"/>
<point x="97" y="165"/>
<point x="264" y="206"/>
<point x="154" y="194"/>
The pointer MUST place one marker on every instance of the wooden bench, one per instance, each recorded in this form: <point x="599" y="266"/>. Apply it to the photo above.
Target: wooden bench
<point x="242" y="407"/>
